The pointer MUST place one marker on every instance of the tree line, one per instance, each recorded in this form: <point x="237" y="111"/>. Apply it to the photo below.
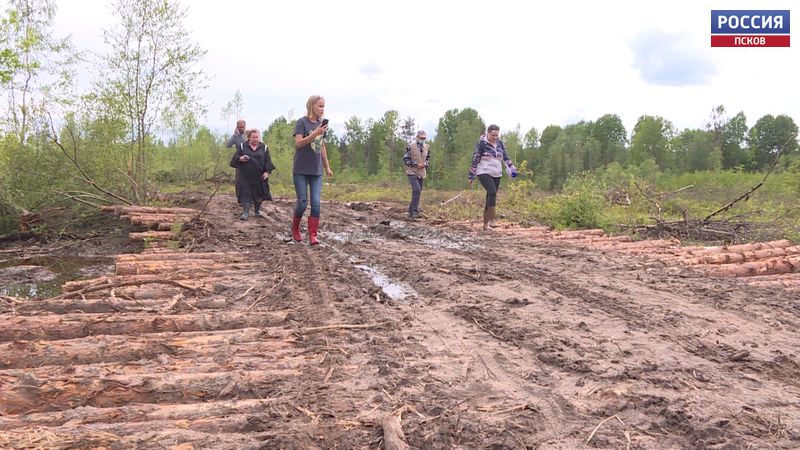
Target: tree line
<point x="108" y="142"/>
<point x="373" y="148"/>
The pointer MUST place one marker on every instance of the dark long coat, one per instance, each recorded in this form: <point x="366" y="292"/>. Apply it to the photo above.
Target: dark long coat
<point x="249" y="186"/>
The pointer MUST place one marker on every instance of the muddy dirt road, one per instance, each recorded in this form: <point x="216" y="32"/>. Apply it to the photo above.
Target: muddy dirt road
<point x="476" y="340"/>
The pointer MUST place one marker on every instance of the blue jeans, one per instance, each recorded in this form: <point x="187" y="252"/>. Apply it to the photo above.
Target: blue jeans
<point x="302" y="184"/>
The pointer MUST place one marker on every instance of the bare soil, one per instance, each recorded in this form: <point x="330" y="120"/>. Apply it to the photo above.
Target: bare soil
<point x="496" y="340"/>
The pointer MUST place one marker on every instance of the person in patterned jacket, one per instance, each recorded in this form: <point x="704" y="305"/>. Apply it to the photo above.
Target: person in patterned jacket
<point x="488" y="160"/>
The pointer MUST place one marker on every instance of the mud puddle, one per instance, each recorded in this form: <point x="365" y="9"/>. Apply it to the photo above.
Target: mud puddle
<point x="393" y="290"/>
<point x="42" y="276"/>
<point x="429" y="237"/>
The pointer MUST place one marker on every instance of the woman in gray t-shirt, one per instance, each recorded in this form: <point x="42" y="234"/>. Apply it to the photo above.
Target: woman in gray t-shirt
<point x="310" y="156"/>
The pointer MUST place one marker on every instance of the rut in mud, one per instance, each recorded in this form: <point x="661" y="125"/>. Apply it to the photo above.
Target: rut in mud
<point x="430" y="334"/>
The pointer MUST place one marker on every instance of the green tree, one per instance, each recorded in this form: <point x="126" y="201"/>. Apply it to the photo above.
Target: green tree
<point x="769" y="136"/>
<point x="408" y="130"/>
<point x="279" y="139"/>
<point x="352" y="146"/>
<point x="35" y="67"/>
<point x="392" y="141"/>
<point x="734" y="141"/>
<point x="376" y="149"/>
<point x="149" y="78"/>
<point x="729" y="136"/>
<point x="233" y="109"/>
<point x="530" y="147"/>
<point x="697" y="150"/>
<point x="542" y="166"/>
<point x="513" y="139"/>
<point x="651" y="140"/>
<point x="451" y="153"/>
<point x="573" y="150"/>
<point x="610" y="134"/>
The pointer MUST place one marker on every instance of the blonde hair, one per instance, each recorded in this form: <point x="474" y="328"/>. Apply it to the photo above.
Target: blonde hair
<point x="310" y="105"/>
<point x="254" y="130"/>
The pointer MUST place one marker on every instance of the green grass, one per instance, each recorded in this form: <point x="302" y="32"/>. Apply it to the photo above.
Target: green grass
<point x="586" y="201"/>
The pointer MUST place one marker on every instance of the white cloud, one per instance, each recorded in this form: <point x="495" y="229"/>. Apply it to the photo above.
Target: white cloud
<point x="670" y="59"/>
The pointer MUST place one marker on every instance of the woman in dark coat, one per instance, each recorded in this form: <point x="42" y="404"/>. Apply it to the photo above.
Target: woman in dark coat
<point x="254" y="164"/>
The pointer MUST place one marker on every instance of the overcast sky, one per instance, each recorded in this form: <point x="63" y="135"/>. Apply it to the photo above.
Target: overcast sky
<point x="527" y="63"/>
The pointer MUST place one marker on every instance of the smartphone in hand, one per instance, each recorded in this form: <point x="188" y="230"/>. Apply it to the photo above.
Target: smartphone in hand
<point x="324" y="123"/>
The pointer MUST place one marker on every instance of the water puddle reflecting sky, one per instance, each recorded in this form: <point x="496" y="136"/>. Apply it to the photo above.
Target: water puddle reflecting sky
<point x="395" y="291"/>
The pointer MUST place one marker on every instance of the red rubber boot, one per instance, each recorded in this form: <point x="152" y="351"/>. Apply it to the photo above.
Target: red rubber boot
<point x="296" y="229"/>
<point x="313" y="227"/>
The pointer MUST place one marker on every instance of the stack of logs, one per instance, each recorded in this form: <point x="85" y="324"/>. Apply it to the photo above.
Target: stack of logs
<point x="164" y="223"/>
<point x="766" y="264"/>
<point x="167" y="352"/>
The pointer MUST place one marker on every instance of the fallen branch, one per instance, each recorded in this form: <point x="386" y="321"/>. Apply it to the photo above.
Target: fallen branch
<point x="408" y="408"/>
<point x="746" y="195"/>
<point x="667" y="194"/>
<point x="246" y="292"/>
<point x="10" y="299"/>
<point x="211" y="197"/>
<point x="486" y="330"/>
<point x="627" y="435"/>
<point x="451" y="199"/>
<point x="79" y="200"/>
<point x="512" y="409"/>
<point x="265" y="294"/>
<point x="110" y="285"/>
<point x="314" y="418"/>
<point x="74" y="160"/>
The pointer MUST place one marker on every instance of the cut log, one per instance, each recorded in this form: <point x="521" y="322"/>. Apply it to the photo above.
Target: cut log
<point x="743" y="256"/>
<point x="167" y="267"/>
<point x="219" y="357"/>
<point x="231" y="423"/>
<point x="119" y="209"/>
<point x="790" y="281"/>
<point x="259" y="355"/>
<point x="151" y="218"/>
<point x="532" y="231"/>
<point x="167" y="438"/>
<point x="772" y="266"/>
<point x="145" y="302"/>
<point x="195" y="286"/>
<point x="636" y="247"/>
<point x="135" y="413"/>
<point x="25" y="354"/>
<point x="611" y="239"/>
<point x="179" y="263"/>
<point x="580" y="234"/>
<point x="71" y="326"/>
<point x="24" y="393"/>
<point x="700" y="251"/>
<point x="187" y="277"/>
<point x="214" y="256"/>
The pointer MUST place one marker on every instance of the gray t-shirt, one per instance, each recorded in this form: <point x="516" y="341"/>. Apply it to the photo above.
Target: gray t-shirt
<point x="308" y="159"/>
